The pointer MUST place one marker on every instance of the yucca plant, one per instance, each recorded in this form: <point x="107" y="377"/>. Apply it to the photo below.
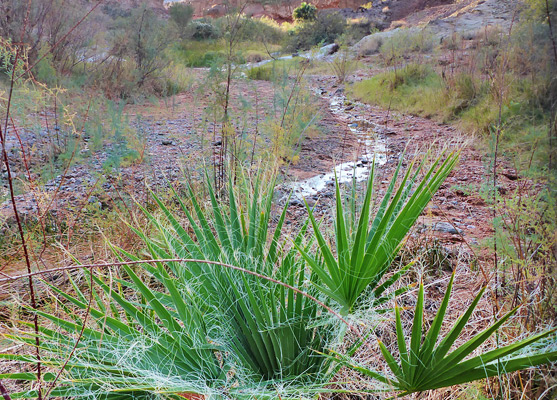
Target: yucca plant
<point x="362" y="253"/>
<point x="195" y="327"/>
<point x="428" y="362"/>
<point x="267" y="325"/>
<point x="135" y="351"/>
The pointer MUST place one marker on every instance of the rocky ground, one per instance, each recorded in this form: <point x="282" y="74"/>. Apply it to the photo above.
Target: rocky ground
<point x="466" y="19"/>
<point x="177" y="137"/>
<point x="176" y="134"/>
<point x="457" y="219"/>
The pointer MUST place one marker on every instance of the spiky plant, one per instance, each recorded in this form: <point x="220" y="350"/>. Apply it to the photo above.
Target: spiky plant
<point x="195" y="327"/>
<point x="266" y="325"/>
<point x="134" y="349"/>
<point x="365" y="248"/>
<point x="430" y="361"/>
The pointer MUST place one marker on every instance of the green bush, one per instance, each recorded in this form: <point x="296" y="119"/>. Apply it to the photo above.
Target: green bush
<point x="414" y="88"/>
<point x="305" y="12"/>
<point x="405" y="41"/>
<point x="44" y="71"/>
<point x="325" y="29"/>
<point x="276" y="69"/>
<point x="255" y="29"/>
<point x="260" y="73"/>
<point x="181" y="15"/>
<point x="203" y="30"/>
<point x="356" y="29"/>
<point x="237" y="311"/>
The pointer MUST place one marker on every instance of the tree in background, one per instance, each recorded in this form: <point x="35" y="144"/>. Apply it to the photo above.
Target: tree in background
<point x="181" y="15"/>
<point x="142" y="37"/>
<point x="305" y="12"/>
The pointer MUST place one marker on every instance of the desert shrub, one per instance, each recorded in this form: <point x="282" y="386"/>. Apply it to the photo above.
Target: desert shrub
<point x="116" y="78"/>
<point x="418" y="89"/>
<point x="259" y="29"/>
<point x="44" y="70"/>
<point x="205" y="53"/>
<point x="201" y="54"/>
<point x="415" y="88"/>
<point x="203" y="30"/>
<point x="47" y="24"/>
<point x="181" y="15"/>
<point x="411" y="75"/>
<point x="7" y="59"/>
<point x="119" y="153"/>
<point x="115" y="10"/>
<point x="405" y="41"/>
<point x="325" y="29"/>
<point x="452" y="42"/>
<point x="276" y="70"/>
<point x="260" y="73"/>
<point x="357" y="29"/>
<point x="464" y="91"/>
<point x="136" y="57"/>
<point x="177" y="78"/>
<point x="148" y="37"/>
<point x="273" y="70"/>
<point x="531" y="54"/>
<point x="343" y="65"/>
<point x="305" y="12"/>
<point x="254" y="56"/>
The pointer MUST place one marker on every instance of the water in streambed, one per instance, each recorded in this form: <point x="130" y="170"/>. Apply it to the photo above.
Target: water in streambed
<point x="372" y="147"/>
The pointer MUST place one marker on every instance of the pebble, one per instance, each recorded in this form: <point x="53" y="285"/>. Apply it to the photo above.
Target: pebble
<point x="445" y="227"/>
<point x="296" y="203"/>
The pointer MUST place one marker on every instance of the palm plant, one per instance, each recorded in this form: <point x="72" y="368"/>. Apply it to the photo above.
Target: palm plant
<point x="203" y="325"/>
<point x="427" y="362"/>
<point x="364" y="252"/>
<point x="266" y="324"/>
<point x="136" y="350"/>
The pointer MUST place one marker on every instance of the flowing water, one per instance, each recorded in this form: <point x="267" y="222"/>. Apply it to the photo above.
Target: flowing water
<point x="372" y="147"/>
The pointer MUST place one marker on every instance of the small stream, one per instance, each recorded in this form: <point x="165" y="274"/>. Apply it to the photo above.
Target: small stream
<point x="371" y="145"/>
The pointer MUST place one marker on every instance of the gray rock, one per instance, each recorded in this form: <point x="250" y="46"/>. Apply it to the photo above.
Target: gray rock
<point x="445" y="227"/>
<point x="296" y="203"/>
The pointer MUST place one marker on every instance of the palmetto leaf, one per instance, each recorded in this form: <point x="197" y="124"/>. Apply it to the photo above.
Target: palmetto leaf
<point x="363" y="253"/>
<point x="266" y="325"/>
<point x="428" y="363"/>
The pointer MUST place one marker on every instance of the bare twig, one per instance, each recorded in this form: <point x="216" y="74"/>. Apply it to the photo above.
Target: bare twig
<point x="548" y="13"/>
<point x="4" y="392"/>
<point x="3" y="140"/>
<point x="61" y="39"/>
<point x="87" y="312"/>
